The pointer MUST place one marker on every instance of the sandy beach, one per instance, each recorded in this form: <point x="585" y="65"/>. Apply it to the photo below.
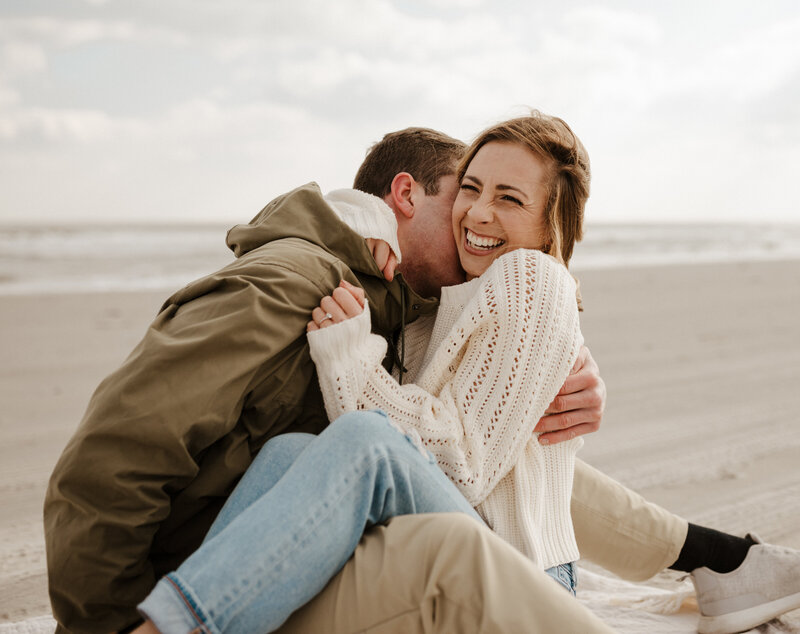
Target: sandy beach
<point x="702" y="364"/>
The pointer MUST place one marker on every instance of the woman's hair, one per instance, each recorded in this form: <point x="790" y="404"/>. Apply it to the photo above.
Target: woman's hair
<point x="567" y="164"/>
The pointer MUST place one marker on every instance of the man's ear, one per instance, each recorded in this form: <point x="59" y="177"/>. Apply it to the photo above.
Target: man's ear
<point x="402" y="194"/>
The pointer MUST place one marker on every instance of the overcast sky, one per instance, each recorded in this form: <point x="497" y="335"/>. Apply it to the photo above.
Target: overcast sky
<point x="199" y="110"/>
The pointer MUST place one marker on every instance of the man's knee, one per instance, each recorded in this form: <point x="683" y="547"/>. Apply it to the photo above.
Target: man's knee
<point x="443" y="539"/>
<point x="445" y="528"/>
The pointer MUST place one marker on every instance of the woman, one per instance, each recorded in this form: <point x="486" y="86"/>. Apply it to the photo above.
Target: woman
<point x="501" y="347"/>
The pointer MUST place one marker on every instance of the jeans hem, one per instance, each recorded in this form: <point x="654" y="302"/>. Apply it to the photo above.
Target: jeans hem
<point x="173" y="609"/>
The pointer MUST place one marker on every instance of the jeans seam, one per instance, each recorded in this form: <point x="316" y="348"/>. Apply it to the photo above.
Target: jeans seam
<point x="189" y="603"/>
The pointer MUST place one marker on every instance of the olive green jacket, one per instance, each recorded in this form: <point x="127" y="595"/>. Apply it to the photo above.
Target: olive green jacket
<point x="224" y="367"/>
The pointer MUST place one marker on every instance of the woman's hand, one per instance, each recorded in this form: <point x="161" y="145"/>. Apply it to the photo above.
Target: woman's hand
<point x="345" y="302"/>
<point x="384" y="257"/>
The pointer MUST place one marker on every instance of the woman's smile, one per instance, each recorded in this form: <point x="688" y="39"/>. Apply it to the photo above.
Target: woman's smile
<point x="500" y="205"/>
<point x="479" y="244"/>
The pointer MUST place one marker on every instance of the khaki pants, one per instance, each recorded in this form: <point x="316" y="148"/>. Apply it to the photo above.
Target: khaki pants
<point x="620" y="530"/>
<point x="447" y="573"/>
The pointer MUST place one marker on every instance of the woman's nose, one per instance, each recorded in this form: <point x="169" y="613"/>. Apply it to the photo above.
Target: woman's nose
<point x="480" y="211"/>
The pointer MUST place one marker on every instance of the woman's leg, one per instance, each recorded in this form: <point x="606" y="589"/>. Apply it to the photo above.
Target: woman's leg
<point x="566" y="575"/>
<point x="283" y="547"/>
<point x="269" y="466"/>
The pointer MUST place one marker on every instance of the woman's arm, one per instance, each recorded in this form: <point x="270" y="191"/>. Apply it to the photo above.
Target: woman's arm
<point x="486" y="386"/>
<point x="373" y="220"/>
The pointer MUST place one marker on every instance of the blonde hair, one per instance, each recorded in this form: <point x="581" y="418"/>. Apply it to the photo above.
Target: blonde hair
<point x="567" y="163"/>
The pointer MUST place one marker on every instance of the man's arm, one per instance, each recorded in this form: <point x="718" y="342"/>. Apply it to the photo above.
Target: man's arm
<point x="578" y="407"/>
<point x="150" y="428"/>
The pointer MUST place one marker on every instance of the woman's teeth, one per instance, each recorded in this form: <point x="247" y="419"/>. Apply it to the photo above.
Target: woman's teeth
<point x="482" y="242"/>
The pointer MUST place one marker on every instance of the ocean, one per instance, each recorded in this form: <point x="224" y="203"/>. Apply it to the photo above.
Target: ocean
<point x="78" y="259"/>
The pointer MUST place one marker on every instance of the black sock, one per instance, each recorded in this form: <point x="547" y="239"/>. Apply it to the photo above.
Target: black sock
<point x="706" y="547"/>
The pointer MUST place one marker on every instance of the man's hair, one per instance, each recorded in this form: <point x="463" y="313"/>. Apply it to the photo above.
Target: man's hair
<point x="424" y="153"/>
<point x="567" y="163"/>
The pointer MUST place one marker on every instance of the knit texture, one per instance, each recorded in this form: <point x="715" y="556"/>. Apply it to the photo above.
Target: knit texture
<point x="500" y="349"/>
<point x="365" y="214"/>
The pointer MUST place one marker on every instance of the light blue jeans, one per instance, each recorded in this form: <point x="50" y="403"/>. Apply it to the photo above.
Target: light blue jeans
<point x="293" y="522"/>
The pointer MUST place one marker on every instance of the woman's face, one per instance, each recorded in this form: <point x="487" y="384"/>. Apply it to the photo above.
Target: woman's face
<point x="500" y="205"/>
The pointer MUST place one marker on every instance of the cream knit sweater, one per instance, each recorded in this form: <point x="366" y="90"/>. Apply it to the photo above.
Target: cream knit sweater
<point x="500" y="348"/>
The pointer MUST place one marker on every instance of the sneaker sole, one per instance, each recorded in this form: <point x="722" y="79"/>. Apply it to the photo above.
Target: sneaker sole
<point x="747" y="619"/>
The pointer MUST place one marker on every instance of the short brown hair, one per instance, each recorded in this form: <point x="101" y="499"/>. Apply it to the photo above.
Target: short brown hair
<point x="567" y="161"/>
<point x="424" y="153"/>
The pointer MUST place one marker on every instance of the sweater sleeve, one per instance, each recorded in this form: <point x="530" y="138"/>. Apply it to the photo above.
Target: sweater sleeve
<point x="349" y="354"/>
<point x="485" y="388"/>
<point x="367" y="215"/>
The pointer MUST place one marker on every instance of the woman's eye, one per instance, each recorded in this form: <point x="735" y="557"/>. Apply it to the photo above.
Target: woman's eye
<point x="516" y="201"/>
<point x="468" y="187"/>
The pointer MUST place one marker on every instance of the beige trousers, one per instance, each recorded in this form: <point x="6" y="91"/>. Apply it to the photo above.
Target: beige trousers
<point x="448" y="573"/>
<point x="441" y="572"/>
<point x="620" y="530"/>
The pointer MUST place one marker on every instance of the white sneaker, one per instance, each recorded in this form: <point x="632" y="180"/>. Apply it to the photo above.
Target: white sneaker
<point x="765" y="585"/>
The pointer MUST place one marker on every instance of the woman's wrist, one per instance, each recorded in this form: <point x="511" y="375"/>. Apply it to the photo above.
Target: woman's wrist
<point x="341" y="341"/>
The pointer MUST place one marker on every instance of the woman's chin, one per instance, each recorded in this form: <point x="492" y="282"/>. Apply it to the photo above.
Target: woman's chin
<point x="476" y="266"/>
<point x="475" y="263"/>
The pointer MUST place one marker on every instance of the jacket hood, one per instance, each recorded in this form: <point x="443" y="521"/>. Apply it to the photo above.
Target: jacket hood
<point x="303" y="213"/>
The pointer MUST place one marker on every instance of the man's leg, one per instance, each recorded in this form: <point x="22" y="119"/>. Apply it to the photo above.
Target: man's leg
<point x="279" y="549"/>
<point x="440" y="572"/>
<point x="740" y="582"/>
<point x="620" y="530"/>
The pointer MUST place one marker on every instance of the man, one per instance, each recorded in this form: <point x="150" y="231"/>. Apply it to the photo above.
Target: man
<point x="225" y="366"/>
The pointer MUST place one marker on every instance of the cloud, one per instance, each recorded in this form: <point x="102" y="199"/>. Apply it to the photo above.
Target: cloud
<point x="18" y="57"/>
<point x="203" y="103"/>
<point x="63" y="125"/>
<point x="49" y="32"/>
<point x="612" y="26"/>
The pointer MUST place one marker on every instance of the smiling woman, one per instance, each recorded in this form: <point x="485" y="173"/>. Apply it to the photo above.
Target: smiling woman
<point x="500" y="205"/>
<point x="533" y="164"/>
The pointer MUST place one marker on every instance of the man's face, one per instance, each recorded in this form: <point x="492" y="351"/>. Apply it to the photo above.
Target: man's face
<point x="430" y="259"/>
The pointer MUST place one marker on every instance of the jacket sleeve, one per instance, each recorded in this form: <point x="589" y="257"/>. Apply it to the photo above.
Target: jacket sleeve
<point x="485" y="388"/>
<point x="148" y="424"/>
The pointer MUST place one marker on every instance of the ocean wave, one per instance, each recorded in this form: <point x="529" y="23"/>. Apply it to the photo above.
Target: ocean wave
<point x="115" y="258"/>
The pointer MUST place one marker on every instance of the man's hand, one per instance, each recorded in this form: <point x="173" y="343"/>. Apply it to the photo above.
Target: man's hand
<point x="578" y="407"/>
<point x="384" y="257"/>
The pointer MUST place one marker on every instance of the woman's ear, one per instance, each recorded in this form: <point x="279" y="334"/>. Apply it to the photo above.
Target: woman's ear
<point x="402" y="194"/>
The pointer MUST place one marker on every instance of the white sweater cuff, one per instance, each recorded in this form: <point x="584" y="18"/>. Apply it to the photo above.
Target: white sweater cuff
<point x="340" y="342"/>
<point x="367" y="215"/>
